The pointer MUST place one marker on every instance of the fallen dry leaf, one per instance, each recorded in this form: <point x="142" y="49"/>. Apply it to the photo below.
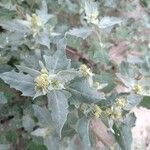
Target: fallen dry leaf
<point x="117" y="54"/>
<point x="100" y="131"/>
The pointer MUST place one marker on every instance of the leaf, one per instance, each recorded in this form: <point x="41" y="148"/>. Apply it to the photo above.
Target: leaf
<point x="41" y="132"/>
<point x="83" y="131"/>
<point x="127" y="81"/>
<point x="82" y="32"/>
<point x="66" y="76"/>
<point x="81" y="91"/>
<point x="51" y="139"/>
<point x="35" y="146"/>
<point x="123" y="136"/>
<point x="31" y="61"/>
<point x="117" y="53"/>
<point x="43" y="13"/>
<point x="3" y="99"/>
<point x="57" y="102"/>
<point x="145" y="102"/>
<point x="43" y="115"/>
<point x="14" y="26"/>
<point x="91" y="8"/>
<point x="132" y="101"/>
<point x="28" y="123"/>
<point x="107" y="22"/>
<point x="4" y="147"/>
<point x="57" y="62"/>
<point x="110" y="100"/>
<point x="52" y="142"/>
<point x="8" y="5"/>
<point x="30" y="71"/>
<point x="101" y="55"/>
<point x="43" y="39"/>
<point x="123" y="132"/>
<point x="110" y="3"/>
<point x="19" y="81"/>
<point x="11" y="38"/>
<point x="130" y="120"/>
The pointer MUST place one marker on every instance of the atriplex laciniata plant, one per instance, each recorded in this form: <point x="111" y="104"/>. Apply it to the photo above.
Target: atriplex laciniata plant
<point x="80" y="69"/>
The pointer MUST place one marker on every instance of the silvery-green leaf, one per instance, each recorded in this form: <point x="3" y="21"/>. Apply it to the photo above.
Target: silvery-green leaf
<point x="83" y="131"/>
<point x="4" y="147"/>
<point x="43" y="39"/>
<point x="43" y="7"/>
<point x="52" y="142"/>
<point x="57" y="62"/>
<point x="123" y="136"/>
<point x="67" y="75"/>
<point x="81" y="91"/>
<point x="82" y="32"/>
<point x="43" y="13"/>
<point x="8" y="5"/>
<point x="123" y="132"/>
<point x="107" y="22"/>
<point x="61" y="44"/>
<point x="91" y="8"/>
<point x="14" y="26"/>
<point x="58" y="104"/>
<point x="127" y="81"/>
<point x="28" y="123"/>
<point x="132" y="101"/>
<point x="43" y="132"/>
<point x="11" y="38"/>
<point x="31" y="61"/>
<point x="130" y="119"/>
<point x="69" y="5"/>
<point x="3" y="99"/>
<point x="30" y="71"/>
<point x="43" y="116"/>
<point x="110" y="3"/>
<point x="19" y="81"/>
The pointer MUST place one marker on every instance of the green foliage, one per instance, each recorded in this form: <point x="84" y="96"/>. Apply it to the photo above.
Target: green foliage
<point x="71" y="71"/>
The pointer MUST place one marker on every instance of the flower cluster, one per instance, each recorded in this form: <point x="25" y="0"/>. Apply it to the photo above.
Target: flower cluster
<point x="137" y="88"/>
<point x="91" y="13"/>
<point x="42" y="82"/>
<point x="115" y="112"/>
<point x="85" y="71"/>
<point x="97" y="111"/>
<point x="34" y="23"/>
<point x="45" y="82"/>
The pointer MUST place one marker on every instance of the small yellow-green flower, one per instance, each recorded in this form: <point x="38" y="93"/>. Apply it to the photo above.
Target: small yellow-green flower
<point x="42" y="82"/>
<point x="120" y="103"/>
<point x="116" y="115"/>
<point x="35" y="23"/>
<point x="85" y="71"/>
<point x="108" y="112"/>
<point x="91" y="12"/>
<point x="56" y="84"/>
<point x="97" y="111"/>
<point x="113" y="113"/>
<point x="45" y="81"/>
<point x="137" y="88"/>
<point x="93" y="17"/>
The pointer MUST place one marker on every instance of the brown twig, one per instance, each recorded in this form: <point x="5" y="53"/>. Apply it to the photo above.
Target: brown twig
<point x="75" y="55"/>
<point x="20" y="12"/>
<point x="33" y="1"/>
